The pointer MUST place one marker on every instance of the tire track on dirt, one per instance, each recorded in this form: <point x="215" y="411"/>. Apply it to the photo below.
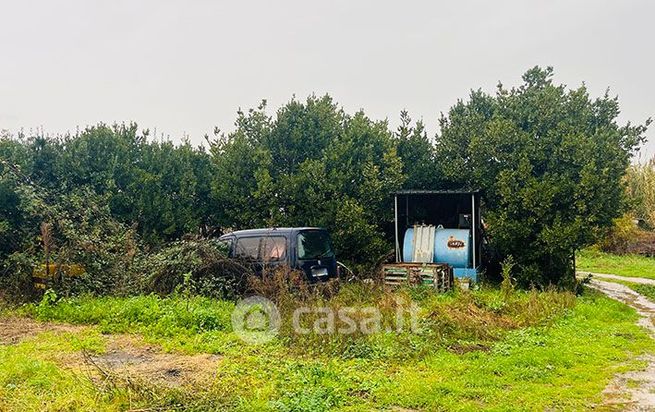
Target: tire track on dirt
<point x="639" y="385"/>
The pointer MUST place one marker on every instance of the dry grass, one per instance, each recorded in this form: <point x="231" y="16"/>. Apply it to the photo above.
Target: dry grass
<point x="130" y="356"/>
<point x="460" y="321"/>
<point x="640" y="180"/>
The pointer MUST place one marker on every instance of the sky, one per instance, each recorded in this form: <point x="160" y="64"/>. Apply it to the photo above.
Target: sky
<point x="183" y="67"/>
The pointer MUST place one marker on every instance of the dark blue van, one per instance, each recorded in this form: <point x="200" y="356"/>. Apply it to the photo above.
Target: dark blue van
<point x="305" y="248"/>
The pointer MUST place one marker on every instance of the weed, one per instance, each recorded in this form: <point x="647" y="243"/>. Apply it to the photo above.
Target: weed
<point x="507" y="285"/>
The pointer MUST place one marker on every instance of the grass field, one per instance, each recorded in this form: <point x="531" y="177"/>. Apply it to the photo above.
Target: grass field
<point x="483" y="349"/>
<point x="593" y="260"/>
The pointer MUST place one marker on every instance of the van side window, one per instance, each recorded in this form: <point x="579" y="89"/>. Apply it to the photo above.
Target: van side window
<point x="226" y="245"/>
<point x="248" y="247"/>
<point x="274" y="248"/>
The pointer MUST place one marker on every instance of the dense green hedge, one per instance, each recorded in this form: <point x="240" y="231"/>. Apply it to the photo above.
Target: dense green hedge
<point x="548" y="160"/>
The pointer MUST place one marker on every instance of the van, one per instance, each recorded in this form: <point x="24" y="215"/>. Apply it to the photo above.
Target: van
<point x="305" y="248"/>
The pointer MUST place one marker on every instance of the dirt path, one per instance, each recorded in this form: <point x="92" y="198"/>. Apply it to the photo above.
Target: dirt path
<point x="639" y="386"/>
<point x="15" y="329"/>
<point x="643" y="281"/>
<point x="126" y="356"/>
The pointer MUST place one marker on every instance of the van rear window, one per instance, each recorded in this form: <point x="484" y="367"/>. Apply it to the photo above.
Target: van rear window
<point x="314" y="244"/>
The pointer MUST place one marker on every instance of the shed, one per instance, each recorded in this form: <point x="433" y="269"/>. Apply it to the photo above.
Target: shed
<point x="444" y="209"/>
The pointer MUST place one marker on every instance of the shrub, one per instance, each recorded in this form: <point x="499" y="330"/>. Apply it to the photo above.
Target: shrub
<point x="75" y="229"/>
<point x="211" y="272"/>
<point x="641" y="191"/>
<point x="16" y="277"/>
<point x="549" y="163"/>
<point x="312" y="164"/>
<point x="620" y="236"/>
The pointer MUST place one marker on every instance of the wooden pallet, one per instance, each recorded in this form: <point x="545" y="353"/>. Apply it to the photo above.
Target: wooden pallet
<point x="438" y="275"/>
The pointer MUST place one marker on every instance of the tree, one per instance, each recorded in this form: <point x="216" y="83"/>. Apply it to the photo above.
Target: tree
<point x="549" y="162"/>
<point x="13" y="156"/>
<point x="417" y="154"/>
<point x="311" y="165"/>
<point x="161" y="188"/>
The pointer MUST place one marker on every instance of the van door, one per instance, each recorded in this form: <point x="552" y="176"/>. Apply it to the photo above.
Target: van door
<point x="274" y="252"/>
<point x="263" y="252"/>
<point x="246" y="249"/>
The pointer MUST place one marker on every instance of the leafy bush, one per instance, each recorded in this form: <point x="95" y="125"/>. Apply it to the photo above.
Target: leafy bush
<point x="620" y="236"/>
<point x="64" y="230"/>
<point x="549" y="163"/>
<point x="16" y="277"/>
<point x="312" y="164"/>
<point x="211" y="272"/>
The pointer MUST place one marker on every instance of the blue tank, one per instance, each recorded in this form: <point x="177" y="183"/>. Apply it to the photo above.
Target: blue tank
<point x="451" y="246"/>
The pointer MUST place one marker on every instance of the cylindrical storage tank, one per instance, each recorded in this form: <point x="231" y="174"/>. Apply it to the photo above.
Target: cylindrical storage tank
<point x="408" y="245"/>
<point x="451" y="246"/>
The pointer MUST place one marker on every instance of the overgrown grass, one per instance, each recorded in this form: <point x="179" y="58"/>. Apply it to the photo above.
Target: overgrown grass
<point x="456" y="321"/>
<point x="530" y="351"/>
<point x="191" y="325"/>
<point x="31" y="376"/>
<point x="594" y="260"/>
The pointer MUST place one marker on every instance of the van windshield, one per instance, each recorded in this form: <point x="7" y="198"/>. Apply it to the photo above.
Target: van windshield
<point x="314" y="244"/>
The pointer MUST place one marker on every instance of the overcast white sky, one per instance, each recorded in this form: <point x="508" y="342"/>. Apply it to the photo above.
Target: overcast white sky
<point x="184" y="67"/>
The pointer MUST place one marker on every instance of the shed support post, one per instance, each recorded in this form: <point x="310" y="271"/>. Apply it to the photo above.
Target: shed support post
<point x="406" y="211"/>
<point x="474" y="229"/>
<point x="395" y="221"/>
